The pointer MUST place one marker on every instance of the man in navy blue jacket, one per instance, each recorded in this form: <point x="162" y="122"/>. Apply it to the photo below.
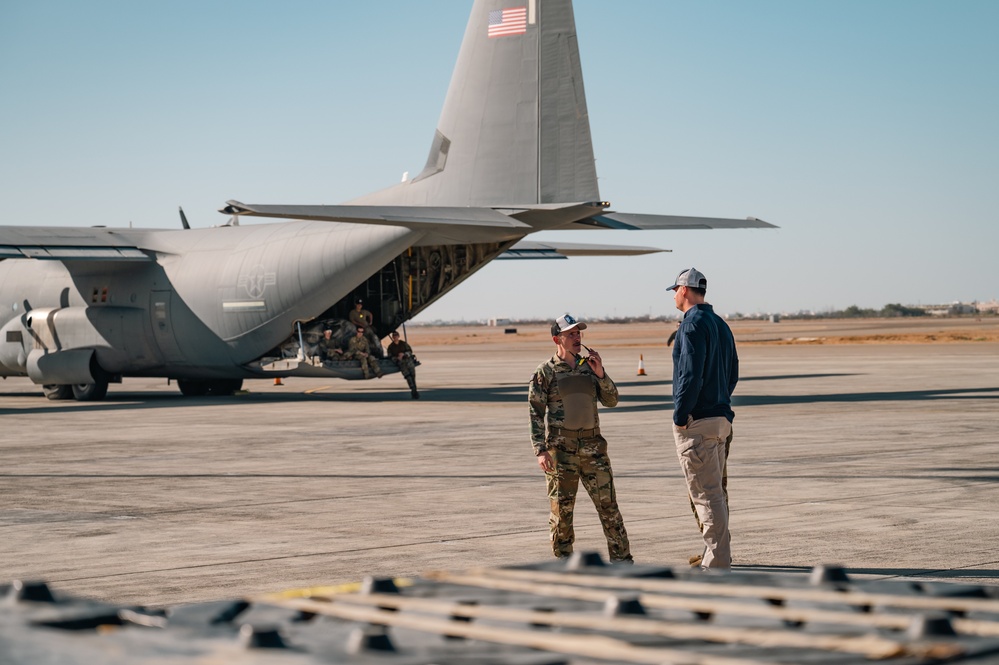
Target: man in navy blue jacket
<point x="705" y="371"/>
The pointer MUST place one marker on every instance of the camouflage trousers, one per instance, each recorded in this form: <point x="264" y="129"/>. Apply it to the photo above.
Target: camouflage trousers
<point x="586" y="460"/>
<point x="406" y="365"/>
<point x="369" y="365"/>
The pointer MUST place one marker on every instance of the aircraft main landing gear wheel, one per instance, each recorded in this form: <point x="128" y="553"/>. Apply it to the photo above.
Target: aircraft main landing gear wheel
<point x="57" y="392"/>
<point x="224" y="387"/>
<point x="90" y="392"/>
<point x="190" y="388"/>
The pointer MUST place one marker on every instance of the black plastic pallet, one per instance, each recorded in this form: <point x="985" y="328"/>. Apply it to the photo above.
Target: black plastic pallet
<point x="578" y="611"/>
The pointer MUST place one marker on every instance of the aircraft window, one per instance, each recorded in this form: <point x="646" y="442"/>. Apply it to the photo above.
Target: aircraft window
<point x="14" y="336"/>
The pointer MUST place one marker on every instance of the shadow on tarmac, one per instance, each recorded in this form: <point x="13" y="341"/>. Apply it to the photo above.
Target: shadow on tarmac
<point x="510" y="393"/>
<point x="779" y="400"/>
<point x="330" y="476"/>
<point x="778" y="377"/>
<point x="890" y="396"/>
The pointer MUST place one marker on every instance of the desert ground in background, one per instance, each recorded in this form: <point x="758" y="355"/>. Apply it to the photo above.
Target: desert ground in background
<point x="915" y="330"/>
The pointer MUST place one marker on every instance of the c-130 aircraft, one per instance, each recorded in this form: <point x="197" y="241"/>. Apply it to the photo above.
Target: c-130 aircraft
<point x="83" y="307"/>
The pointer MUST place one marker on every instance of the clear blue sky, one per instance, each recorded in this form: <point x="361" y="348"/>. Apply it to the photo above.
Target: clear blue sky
<point x="868" y="130"/>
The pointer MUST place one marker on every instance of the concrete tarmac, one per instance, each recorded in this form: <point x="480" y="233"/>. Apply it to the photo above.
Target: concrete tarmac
<point x="879" y="457"/>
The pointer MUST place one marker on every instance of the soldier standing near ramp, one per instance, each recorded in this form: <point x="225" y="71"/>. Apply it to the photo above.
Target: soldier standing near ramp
<point x="567" y="387"/>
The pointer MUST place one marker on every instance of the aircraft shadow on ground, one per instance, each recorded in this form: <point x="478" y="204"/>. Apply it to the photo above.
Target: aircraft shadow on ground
<point x="511" y="393"/>
<point x="887" y="396"/>
<point x="879" y="396"/>
<point x="125" y="401"/>
<point x="884" y="572"/>
<point x="635" y="383"/>
<point x="281" y="475"/>
<point x="967" y="474"/>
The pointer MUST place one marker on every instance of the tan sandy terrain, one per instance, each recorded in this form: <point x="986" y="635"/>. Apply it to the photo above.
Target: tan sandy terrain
<point x="923" y="330"/>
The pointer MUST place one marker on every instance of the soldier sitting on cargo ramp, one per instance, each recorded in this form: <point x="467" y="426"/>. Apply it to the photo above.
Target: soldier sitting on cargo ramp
<point x="401" y="353"/>
<point x="358" y="349"/>
<point x="329" y="347"/>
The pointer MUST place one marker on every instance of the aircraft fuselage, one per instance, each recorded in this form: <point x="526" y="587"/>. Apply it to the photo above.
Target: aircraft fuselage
<point x="205" y="305"/>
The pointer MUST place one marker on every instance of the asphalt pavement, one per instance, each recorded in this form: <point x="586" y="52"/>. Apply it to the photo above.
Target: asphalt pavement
<point x="882" y="458"/>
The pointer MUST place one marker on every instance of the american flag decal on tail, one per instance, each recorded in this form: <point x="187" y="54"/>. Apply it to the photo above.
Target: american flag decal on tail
<point x="503" y="22"/>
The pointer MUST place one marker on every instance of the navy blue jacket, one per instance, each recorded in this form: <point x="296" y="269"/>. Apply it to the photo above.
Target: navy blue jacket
<point x="705" y="366"/>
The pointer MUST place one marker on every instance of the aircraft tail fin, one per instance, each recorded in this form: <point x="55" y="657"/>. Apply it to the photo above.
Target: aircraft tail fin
<point x="514" y="129"/>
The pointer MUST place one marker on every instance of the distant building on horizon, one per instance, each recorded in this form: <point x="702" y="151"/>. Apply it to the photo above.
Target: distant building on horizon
<point x="951" y="309"/>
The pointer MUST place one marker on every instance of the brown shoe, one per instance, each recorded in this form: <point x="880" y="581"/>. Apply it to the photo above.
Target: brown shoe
<point x="694" y="561"/>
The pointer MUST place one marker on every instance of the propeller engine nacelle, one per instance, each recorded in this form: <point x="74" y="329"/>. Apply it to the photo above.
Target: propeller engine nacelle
<point x="68" y="345"/>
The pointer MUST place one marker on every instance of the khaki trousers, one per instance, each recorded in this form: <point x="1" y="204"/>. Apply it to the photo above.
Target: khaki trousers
<point x="701" y="449"/>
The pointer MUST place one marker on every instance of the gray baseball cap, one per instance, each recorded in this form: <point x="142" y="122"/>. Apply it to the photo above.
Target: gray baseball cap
<point x="690" y="277"/>
<point x="566" y="322"/>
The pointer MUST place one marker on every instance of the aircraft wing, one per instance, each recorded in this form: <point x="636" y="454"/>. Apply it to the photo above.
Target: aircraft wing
<point x="67" y="244"/>
<point x="416" y="217"/>
<point x="538" y="217"/>
<point x="639" y="222"/>
<point x="526" y="249"/>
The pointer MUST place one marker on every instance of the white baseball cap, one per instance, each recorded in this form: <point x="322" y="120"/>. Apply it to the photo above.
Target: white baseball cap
<point x="566" y="322"/>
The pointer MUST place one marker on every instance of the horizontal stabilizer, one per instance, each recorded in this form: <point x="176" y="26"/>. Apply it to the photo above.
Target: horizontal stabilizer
<point x="638" y="222"/>
<point x="67" y="244"/>
<point x="563" y="250"/>
<point x="416" y="217"/>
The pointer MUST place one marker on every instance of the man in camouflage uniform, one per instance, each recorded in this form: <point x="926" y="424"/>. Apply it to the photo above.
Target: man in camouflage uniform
<point x="567" y="441"/>
<point x="362" y="318"/>
<point x="401" y="354"/>
<point x="328" y="347"/>
<point x="358" y="349"/>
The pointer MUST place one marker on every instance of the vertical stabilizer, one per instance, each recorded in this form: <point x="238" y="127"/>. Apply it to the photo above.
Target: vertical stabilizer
<point x="514" y="128"/>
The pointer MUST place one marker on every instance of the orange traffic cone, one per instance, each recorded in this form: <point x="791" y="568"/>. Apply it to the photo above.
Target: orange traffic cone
<point x="277" y="381"/>
<point x="641" y="365"/>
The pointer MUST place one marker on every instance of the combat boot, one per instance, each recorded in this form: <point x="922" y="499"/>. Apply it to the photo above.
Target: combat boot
<point x="411" y="380"/>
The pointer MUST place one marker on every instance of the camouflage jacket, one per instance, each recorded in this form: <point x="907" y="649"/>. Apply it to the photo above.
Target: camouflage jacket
<point x="358" y="343"/>
<point x="543" y="395"/>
